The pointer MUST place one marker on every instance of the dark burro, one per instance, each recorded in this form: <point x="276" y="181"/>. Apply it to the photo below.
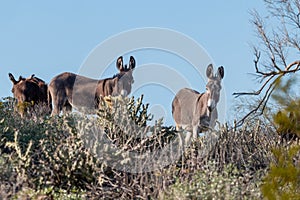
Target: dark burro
<point x="32" y="90"/>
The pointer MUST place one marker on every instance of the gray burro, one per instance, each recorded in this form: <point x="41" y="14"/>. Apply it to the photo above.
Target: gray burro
<point x="196" y="112"/>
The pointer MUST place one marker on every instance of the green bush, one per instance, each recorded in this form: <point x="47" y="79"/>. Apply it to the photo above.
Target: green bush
<point x="283" y="179"/>
<point x="287" y="119"/>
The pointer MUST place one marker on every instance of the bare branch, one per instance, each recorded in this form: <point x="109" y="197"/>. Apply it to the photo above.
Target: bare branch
<point x="263" y="102"/>
<point x="258" y="92"/>
<point x="288" y="68"/>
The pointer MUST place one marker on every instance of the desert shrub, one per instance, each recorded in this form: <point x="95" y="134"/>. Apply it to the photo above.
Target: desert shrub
<point x="225" y="164"/>
<point x="55" y="154"/>
<point x="283" y="178"/>
<point x="287" y="117"/>
<point x="246" y="148"/>
<point x="30" y="128"/>
<point x="43" y="152"/>
<point x="62" y="159"/>
<point x="288" y="121"/>
<point x="131" y="151"/>
<point x="211" y="183"/>
<point x="125" y="124"/>
<point x="117" y="155"/>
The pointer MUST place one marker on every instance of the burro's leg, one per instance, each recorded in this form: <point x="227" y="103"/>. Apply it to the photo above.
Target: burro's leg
<point x="56" y="108"/>
<point x="213" y="118"/>
<point x="177" y="127"/>
<point x="188" y="135"/>
<point x="180" y="135"/>
<point x="184" y="134"/>
<point x="58" y="98"/>
<point x="194" y="147"/>
<point x="67" y="107"/>
<point x="188" y="138"/>
<point x="195" y="132"/>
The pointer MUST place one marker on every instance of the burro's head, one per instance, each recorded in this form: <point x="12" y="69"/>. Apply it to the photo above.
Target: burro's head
<point x="213" y="86"/>
<point x="124" y="77"/>
<point x="25" y="89"/>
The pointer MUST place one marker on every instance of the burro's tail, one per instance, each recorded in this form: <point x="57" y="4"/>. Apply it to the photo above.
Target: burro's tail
<point x="49" y="98"/>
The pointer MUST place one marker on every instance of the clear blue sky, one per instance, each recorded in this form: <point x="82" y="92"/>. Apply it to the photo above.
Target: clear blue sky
<point x="50" y="37"/>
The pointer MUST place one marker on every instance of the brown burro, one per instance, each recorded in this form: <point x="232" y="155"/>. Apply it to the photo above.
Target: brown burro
<point x="69" y="90"/>
<point x="32" y="90"/>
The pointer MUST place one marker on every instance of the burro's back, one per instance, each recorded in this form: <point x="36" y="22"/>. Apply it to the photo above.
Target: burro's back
<point x="196" y="112"/>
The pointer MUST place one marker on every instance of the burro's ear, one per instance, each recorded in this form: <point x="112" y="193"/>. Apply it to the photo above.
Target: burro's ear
<point x="119" y="64"/>
<point x="21" y="78"/>
<point x="131" y="62"/>
<point x="31" y="77"/>
<point x="220" y="73"/>
<point x="12" y="78"/>
<point x="210" y="71"/>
